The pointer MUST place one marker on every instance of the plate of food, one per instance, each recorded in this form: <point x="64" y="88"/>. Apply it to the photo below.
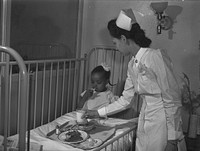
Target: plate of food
<point x="73" y="136"/>
<point x="86" y="127"/>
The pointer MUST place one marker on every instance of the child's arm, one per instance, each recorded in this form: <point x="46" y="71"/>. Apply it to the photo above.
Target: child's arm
<point x="88" y="93"/>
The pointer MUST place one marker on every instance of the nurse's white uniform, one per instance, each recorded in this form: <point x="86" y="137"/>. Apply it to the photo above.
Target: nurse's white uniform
<point x="150" y="75"/>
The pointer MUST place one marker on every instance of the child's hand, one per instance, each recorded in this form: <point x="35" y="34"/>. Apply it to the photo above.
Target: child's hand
<point x="88" y="93"/>
<point x="84" y="97"/>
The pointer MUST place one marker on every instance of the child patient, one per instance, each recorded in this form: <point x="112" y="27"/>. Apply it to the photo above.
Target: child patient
<point x="99" y="94"/>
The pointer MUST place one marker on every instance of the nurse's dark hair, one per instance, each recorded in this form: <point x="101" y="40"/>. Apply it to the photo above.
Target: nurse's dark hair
<point x="136" y="33"/>
<point x="101" y="70"/>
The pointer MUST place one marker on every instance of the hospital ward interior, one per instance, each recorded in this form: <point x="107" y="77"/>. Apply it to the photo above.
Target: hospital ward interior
<point x="48" y="51"/>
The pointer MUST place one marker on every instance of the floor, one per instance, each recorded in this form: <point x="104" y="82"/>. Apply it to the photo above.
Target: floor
<point x="193" y="144"/>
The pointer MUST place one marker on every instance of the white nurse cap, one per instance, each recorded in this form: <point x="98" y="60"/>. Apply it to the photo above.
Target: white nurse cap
<point x="125" y="19"/>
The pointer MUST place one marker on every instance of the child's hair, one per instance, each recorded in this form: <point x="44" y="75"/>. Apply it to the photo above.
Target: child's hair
<point x="106" y="74"/>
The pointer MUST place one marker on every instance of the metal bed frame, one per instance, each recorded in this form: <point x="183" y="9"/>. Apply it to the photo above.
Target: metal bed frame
<point x="123" y="142"/>
<point x="23" y="96"/>
<point x="39" y="91"/>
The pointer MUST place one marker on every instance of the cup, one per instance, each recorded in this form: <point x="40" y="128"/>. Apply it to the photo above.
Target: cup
<point x="79" y="117"/>
<point x="91" y="142"/>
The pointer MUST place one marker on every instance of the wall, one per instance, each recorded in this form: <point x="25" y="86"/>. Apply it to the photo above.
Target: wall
<point x="44" y="22"/>
<point x="181" y="42"/>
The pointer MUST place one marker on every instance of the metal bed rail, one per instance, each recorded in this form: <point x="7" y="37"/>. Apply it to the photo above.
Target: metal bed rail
<point x="54" y="86"/>
<point x="23" y="98"/>
<point x="53" y="90"/>
<point x="122" y="142"/>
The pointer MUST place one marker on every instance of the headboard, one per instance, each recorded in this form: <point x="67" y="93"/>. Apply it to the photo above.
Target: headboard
<point x="118" y="63"/>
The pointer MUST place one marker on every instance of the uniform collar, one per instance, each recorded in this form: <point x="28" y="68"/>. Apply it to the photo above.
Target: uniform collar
<point x="139" y="54"/>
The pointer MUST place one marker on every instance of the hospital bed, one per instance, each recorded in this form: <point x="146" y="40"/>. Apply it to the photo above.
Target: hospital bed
<point x="48" y="92"/>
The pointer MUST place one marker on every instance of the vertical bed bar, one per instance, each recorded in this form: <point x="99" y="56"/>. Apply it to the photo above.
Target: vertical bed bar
<point x="68" y="87"/>
<point x="29" y="106"/>
<point x="6" y="13"/>
<point x="35" y="96"/>
<point x="43" y="91"/>
<point x="6" y="104"/>
<point x="50" y="85"/>
<point x="113" y="67"/>
<point x="9" y="99"/>
<point x="63" y="87"/>
<point x="18" y="104"/>
<point x="86" y="64"/>
<point x="57" y="82"/>
<point x="76" y="81"/>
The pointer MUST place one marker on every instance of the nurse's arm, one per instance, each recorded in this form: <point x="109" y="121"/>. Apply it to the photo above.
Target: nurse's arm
<point x="122" y="103"/>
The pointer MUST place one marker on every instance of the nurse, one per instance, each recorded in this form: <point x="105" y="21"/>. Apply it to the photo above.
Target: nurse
<point x="150" y="74"/>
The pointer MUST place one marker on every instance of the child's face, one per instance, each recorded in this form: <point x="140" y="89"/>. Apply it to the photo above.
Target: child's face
<point x="98" y="82"/>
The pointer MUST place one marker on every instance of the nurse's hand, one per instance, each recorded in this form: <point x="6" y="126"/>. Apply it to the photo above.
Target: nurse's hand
<point x="91" y="114"/>
<point x="171" y="145"/>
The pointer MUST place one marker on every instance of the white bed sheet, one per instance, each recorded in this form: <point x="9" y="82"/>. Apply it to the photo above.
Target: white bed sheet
<point x="38" y="135"/>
